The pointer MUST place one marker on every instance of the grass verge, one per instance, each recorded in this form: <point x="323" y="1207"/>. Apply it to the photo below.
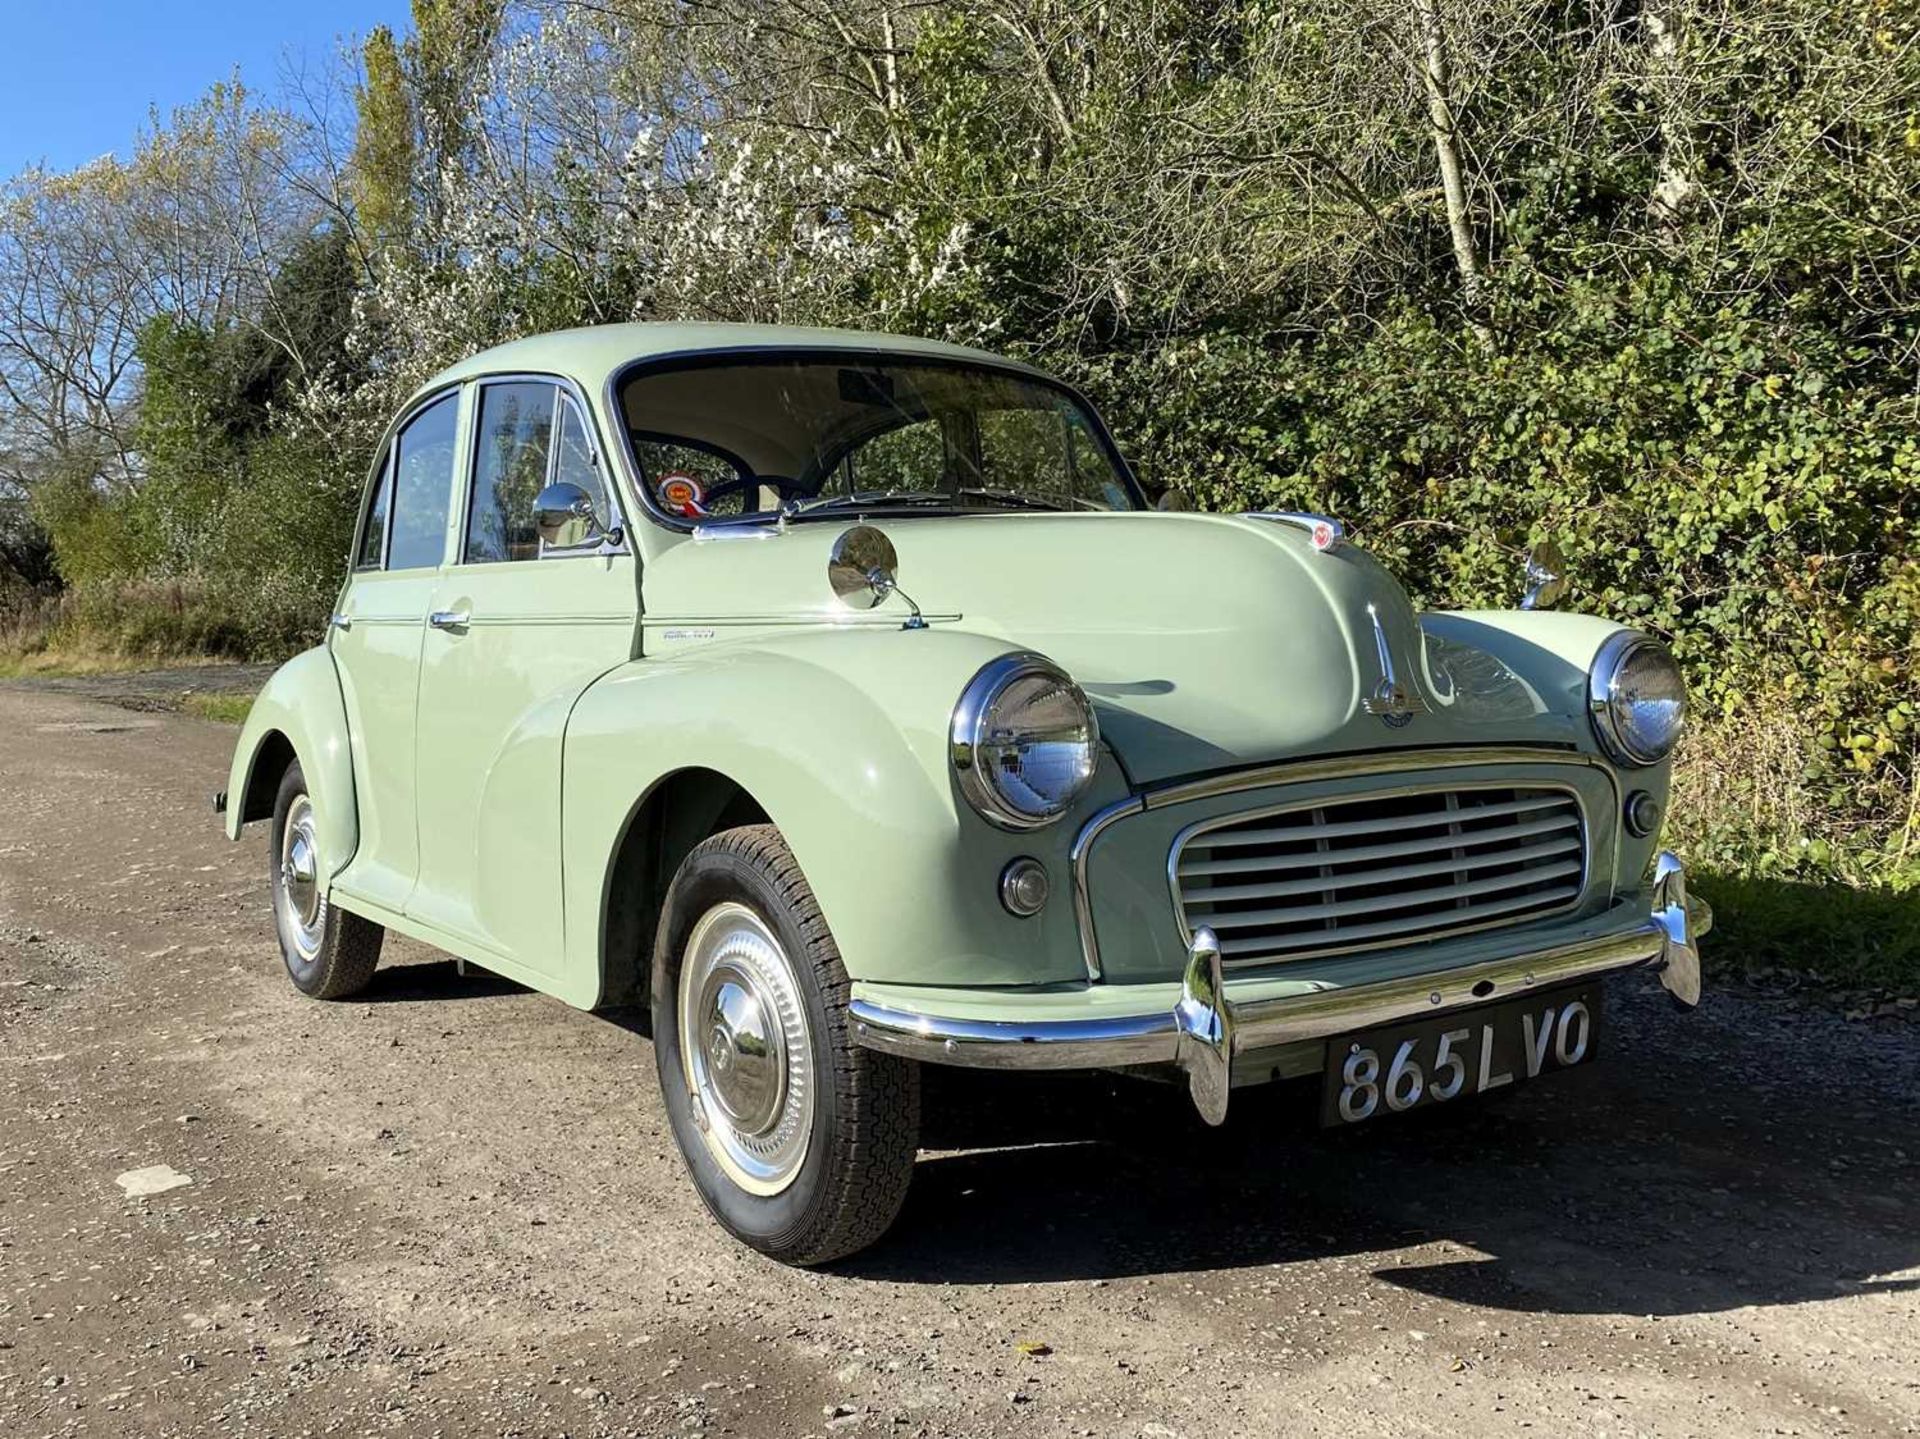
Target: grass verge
<point x="1809" y="874"/>
<point x="1841" y="935"/>
<point x="220" y="708"/>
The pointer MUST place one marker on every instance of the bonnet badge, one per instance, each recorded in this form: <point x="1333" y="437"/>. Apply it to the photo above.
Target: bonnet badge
<point x="1395" y="705"/>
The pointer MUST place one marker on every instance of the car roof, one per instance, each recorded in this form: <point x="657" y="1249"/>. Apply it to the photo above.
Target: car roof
<point x="591" y="354"/>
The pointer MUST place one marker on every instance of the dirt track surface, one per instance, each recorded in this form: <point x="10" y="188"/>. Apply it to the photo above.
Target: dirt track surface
<point x="150" y="690"/>
<point x="454" y="1208"/>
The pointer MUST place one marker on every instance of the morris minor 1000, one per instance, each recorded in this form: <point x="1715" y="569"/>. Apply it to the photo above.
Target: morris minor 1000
<point x="843" y="699"/>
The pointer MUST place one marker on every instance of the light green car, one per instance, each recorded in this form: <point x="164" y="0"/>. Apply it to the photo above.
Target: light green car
<point x="843" y="698"/>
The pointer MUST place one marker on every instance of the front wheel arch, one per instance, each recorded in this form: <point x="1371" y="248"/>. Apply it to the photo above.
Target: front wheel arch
<point x="677" y="813"/>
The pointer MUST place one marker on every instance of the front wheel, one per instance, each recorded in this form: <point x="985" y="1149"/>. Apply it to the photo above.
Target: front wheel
<point x="329" y="953"/>
<point x="800" y="1142"/>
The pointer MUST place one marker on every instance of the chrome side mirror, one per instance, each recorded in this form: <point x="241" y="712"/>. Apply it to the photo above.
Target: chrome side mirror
<point x="1546" y="577"/>
<point x="863" y="570"/>
<point x="862" y="566"/>
<point x="563" y="515"/>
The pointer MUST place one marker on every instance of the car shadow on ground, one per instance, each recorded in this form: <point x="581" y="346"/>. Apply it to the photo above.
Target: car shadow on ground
<point x="434" y="981"/>
<point x="1644" y="1184"/>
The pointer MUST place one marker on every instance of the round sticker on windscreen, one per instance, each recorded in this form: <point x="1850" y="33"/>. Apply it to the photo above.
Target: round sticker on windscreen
<point x="682" y="494"/>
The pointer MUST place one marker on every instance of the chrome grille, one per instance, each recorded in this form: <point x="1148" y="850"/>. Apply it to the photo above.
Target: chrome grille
<point x="1380" y="870"/>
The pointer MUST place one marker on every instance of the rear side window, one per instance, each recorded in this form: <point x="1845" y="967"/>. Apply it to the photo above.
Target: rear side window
<point x="422" y="485"/>
<point x="511" y="455"/>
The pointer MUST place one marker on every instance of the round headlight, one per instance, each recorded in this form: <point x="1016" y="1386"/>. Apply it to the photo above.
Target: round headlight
<point x="1024" y="742"/>
<point x="1639" y="701"/>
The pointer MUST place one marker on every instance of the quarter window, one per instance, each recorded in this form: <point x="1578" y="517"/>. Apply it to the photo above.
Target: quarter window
<point x="373" y="535"/>
<point x="574" y="463"/>
<point x="422" y="484"/>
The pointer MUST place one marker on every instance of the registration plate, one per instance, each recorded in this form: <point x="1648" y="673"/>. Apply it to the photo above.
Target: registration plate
<point x="1435" y="1061"/>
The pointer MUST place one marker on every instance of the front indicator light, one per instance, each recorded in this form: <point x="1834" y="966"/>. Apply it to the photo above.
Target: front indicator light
<point x="1024" y="887"/>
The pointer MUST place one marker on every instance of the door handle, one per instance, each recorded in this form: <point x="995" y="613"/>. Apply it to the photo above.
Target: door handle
<point x="449" y="619"/>
<point x="342" y="622"/>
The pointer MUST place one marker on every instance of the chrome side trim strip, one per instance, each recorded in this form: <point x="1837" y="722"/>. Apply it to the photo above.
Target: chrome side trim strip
<point x="837" y="619"/>
<point x="547" y="620"/>
<point x="1204" y="1029"/>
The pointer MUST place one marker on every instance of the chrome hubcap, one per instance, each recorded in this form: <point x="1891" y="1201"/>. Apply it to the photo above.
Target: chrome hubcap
<point x="301" y="903"/>
<point x="744" y="1049"/>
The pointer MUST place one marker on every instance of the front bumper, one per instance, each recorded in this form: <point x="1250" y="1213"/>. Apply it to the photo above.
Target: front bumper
<point x="1204" y="1031"/>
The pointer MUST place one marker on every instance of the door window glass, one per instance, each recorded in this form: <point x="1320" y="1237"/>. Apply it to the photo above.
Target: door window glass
<point x="423" y="479"/>
<point x="509" y="471"/>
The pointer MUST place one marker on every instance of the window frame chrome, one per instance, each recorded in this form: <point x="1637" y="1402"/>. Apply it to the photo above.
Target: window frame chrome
<point x="565" y="388"/>
<point x="380" y="482"/>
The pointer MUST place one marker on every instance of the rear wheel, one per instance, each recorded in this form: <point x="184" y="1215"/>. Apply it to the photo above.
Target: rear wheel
<point x="329" y="953"/>
<point x="800" y="1142"/>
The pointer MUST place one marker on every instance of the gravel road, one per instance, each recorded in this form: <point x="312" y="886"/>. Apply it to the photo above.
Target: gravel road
<point x="454" y="1208"/>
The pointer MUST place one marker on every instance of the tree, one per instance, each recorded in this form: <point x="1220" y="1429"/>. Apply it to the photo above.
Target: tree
<point x="189" y="226"/>
<point x="384" y="150"/>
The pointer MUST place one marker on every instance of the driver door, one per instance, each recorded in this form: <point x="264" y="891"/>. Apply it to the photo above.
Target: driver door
<point x="515" y="633"/>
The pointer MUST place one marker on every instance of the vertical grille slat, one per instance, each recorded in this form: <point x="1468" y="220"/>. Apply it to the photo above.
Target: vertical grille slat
<point x="1321" y="879"/>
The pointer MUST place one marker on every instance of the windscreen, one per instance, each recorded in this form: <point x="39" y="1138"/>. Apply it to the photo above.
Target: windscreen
<point x="825" y="435"/>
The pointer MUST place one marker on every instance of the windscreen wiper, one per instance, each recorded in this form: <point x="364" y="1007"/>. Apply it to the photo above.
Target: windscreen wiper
<point x="877" y="499"/>
<point x="795" y="508"/>
<point x="1014" y="499"/>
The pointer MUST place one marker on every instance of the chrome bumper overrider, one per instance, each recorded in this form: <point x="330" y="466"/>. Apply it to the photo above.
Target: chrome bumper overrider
<point x="1203" y="1032"/>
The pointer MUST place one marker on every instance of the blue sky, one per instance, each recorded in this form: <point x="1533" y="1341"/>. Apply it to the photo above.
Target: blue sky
<point x="76" y="79"/>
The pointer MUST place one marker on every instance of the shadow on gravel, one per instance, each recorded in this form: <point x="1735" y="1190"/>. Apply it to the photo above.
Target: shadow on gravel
<point x="1694" y="1169"/>
<point x="435" y="981"/>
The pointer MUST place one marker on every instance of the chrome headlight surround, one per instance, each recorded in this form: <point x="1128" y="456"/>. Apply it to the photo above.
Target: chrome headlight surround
<point x="988" y="744"/>
<point x="1638" y="701"/>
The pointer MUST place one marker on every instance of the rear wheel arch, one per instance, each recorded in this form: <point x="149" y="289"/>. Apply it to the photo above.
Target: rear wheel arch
<point x="299" y="715"/>
<point x="674" y="815"/>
